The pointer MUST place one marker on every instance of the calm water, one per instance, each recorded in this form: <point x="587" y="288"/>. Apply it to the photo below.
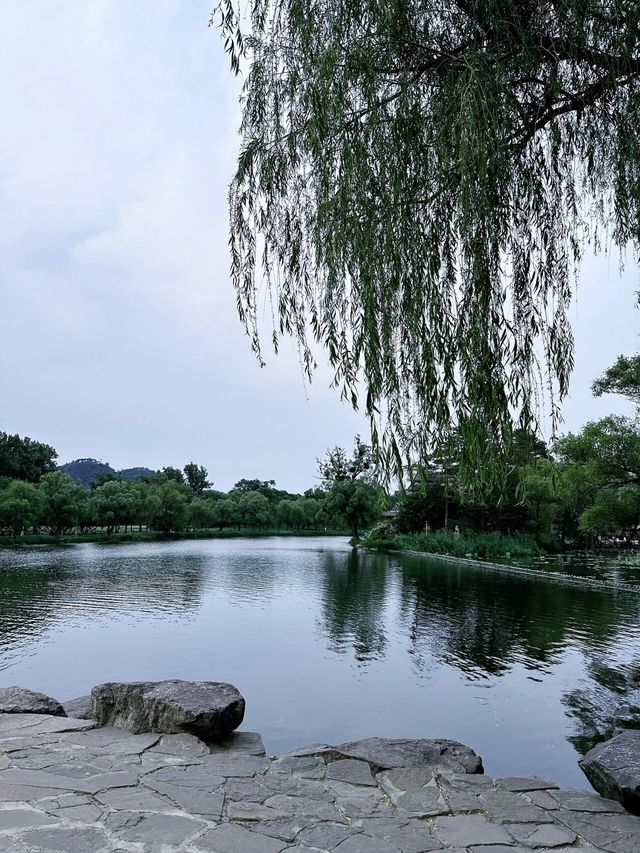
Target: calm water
<point x="329" y="645"/>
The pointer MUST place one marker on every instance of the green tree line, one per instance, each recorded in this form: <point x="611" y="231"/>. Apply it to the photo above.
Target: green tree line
<point x="579" y="490"/>
<point x="35" y="497"/>
<point x="582" y="489"/>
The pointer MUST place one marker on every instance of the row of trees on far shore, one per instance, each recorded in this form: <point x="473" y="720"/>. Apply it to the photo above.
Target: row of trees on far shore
<point x="582" y="489"/>
<point x="35" y="497"/>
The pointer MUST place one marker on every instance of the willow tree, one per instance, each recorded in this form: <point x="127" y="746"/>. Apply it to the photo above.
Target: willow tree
<point x="417" y="181"/>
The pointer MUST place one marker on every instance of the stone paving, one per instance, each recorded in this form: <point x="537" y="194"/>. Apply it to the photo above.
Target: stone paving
<point x="69" y="787"/>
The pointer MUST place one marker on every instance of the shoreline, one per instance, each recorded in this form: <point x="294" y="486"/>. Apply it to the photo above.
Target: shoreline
<point x="146" y="536"/>
<point x="559" y="577"/>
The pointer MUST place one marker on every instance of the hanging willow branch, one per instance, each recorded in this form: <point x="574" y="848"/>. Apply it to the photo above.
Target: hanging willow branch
<point x="416" y="182"/>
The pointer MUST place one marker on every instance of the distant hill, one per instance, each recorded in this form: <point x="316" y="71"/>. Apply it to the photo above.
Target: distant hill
<point x="85" y="471"/>
<point x="136" y="473"/>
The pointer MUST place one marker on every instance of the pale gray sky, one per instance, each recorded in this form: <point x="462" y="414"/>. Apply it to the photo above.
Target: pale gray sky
<point x="118" y="332"/>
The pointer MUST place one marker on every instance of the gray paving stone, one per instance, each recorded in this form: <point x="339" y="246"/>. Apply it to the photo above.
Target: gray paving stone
<point x="229" y="838"/>
<point x="22" y="818"/>
<point x="11" y="845"/>
<point x="326" y="835"/>
<point x="582" y="801"/>
<point x="36" y="779"/>
<point x="547" y="835"/>
<point x="82" y="814"/>
<point x="302" y="807"/>
<point x="524" y="783"/>
<point x="17" y="722"/>
<point x="195" y="776"/>
<point x="301" y="848"/>
<point x="26" y="793"/>
<point x="252" y="812"/>
<point x="159" y="829"/>
<point x="350" y="770"/>
<point x="309" y="767"/>
<point x="196" y="801"/>
<point x="359" y="801"/>
<point x="234" y="764"/>
<point x="465" y="830"/>
<point x="414" y="791"/>
<point x="248" y="790"/>
<point x="63" y="724"/>
<point x="83" y="839"/>
<point x="135" y="799"/>
<point x="543" y="799"/>
<point x="498" y="848"/>
<point x="313" y="789"/>
<point x="249" y="743"/>
<point x="287" y="829"/>
<point x="365" y="844"/>
<point x="618" y="833"/>
<point x="505" y="807"/>
<point x="412" y="836"/>
<point x="182" y="746"/>
<point x="465" y="781"/>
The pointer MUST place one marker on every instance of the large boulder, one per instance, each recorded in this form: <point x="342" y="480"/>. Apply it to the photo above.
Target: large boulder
<point x="387" y="753"/>
<point x="208" y="709"/>
<point x="613" y="768"/>
<point x="20" y="700"/>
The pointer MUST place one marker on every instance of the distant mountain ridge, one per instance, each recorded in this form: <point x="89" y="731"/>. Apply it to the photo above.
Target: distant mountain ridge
<point x="85" y="471"/>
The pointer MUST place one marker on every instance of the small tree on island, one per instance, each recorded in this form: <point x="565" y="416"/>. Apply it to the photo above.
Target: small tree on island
<point x="350" y="486"/>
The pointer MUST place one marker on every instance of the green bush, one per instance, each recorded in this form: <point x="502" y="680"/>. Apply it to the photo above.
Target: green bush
<point x="480" y="545"/>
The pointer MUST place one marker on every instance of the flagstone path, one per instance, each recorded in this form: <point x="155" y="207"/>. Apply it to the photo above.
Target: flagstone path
<point x="68" y="787"/>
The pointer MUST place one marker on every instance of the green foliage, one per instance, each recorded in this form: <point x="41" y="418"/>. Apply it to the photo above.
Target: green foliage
<point x="623" y="377"/>
<point x="480" y="545"/>
<point x="166" y="506"/>
<point x="20" y="506"/>
<point x="169" y="503"/>
<point x="201" y="514"/>
<point x="417" y="181"/>
<point x="63" y="501"/>
<point x="88" y="471"/>
<point x="91" y="472"/>
<point x="196" y="477"/>
<point x="173" y="474"/>
<point x="25" y="459"/>
<point x="253" y="510"/>
<point x="136" y="473"/>
<point x="116" y="503"/>
<point x="351" y="491"/>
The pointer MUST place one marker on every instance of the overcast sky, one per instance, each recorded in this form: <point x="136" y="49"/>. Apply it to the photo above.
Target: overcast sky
<point x="118" y="332"/>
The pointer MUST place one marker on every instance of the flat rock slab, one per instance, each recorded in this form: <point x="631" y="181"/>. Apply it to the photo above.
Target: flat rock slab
<point x="20" y="700"/>
<point x="67" y="787"/>
<point x="210" y="710"/>
<point x="613" y="768"/>
<point x="387" y="753"/>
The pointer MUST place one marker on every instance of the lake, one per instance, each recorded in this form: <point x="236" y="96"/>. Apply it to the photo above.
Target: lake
<point x="327" y="644"/>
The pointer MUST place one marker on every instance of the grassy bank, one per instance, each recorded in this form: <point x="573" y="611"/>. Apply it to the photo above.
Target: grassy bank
<point x="152" y="536"/>
<point x="479" y="545"/>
